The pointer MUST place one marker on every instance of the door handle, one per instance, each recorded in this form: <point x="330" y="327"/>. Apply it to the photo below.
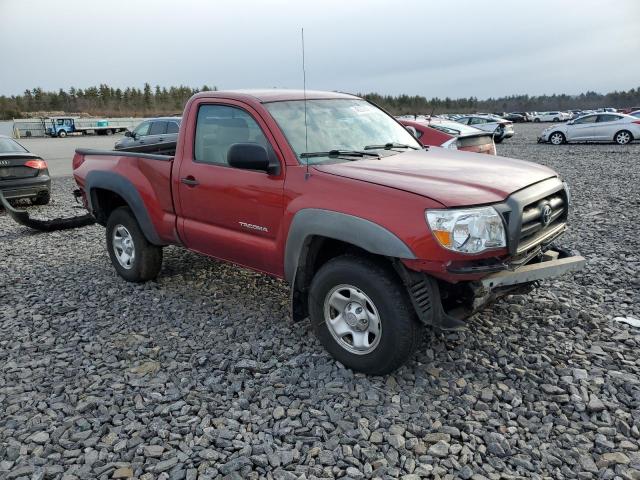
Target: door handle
<point x="190" y="181"/>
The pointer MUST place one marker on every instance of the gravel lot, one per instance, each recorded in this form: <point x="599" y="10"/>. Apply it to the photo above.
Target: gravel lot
<point x="202" y="374"/>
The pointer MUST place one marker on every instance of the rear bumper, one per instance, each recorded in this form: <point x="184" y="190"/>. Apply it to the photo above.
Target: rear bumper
<point x="26" y="187"/>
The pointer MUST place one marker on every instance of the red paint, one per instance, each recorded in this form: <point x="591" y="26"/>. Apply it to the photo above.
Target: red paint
<point x="392" y="192"/>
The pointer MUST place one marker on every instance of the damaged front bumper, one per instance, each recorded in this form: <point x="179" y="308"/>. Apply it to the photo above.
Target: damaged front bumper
<point x="447" y="305"/>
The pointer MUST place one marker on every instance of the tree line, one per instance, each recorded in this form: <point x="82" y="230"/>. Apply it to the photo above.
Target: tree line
<point x="149" y="101"/>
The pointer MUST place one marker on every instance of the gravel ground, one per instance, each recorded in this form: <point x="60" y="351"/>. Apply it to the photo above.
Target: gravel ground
<point x="202" y="375"/>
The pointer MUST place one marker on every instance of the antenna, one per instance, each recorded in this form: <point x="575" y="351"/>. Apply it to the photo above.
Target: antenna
<point x="304" y="92"/>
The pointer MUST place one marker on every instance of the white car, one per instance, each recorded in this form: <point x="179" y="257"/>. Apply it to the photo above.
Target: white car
<point x="500" y="127"/>
<point x="554" y="116"/>
<point x="595" y="127"/>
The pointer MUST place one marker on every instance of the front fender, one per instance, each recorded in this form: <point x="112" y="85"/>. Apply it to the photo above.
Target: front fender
<point x="357" y="231"/>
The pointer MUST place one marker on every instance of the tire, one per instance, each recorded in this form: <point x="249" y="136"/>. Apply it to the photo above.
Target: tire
<point x="145" y="259"/>
<point x="62" y="134"/>
<point x="536" y="120"/>
<point x="557" y="138"/>
<point x="43" y="199"/>
<point x="361" y="288"/>
<point x="556" y="120"/>
<point x="623" y="137"/>
<point x="109" y="131"/>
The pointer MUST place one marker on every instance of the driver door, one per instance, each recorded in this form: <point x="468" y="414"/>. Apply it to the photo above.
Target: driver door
<point x="582" y="128"/>
<point x="229" y="213"/>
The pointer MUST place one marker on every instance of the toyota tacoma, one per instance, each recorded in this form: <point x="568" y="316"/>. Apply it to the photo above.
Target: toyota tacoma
<point x="376" y="235"/>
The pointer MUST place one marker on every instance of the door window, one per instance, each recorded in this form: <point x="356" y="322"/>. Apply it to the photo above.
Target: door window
<point x="172" y="127"/>
<point x="589" y="119"/>
<point x="608" y="118"/>
<point x="142" y="129"/>
<point x="477" y="121"/>
<point x="158" y="128"/>
<point x="220" y="126"/>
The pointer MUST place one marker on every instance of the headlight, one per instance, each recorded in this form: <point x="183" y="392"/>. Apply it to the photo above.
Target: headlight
<point x="470" y="230"/>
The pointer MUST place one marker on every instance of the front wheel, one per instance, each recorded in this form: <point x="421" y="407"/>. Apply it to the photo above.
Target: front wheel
<point x="134" y="258"/>
<point x="623" y="137"/>
<point x="557" y="138"/>
<point x="62" y="134"/>
<point x="536" y="120"/>
<point x="362" y="315"/>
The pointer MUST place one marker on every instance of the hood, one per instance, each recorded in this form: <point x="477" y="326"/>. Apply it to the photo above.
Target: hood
<point x="452" y="178"/>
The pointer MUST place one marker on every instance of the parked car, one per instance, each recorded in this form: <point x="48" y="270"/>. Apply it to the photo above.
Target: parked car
<point x="376" y="236"/>
<point x="635" y="114"/>
<point x="554" y="116"/>
<point x="23" y="174"/>
<point x="500" y="127"/>
<point x="449" y="134"/>
<point x="601" y="127"/>
<point x="151" y="136"/>
<point x="515" y="117"/>
<point x="628" y="110"/>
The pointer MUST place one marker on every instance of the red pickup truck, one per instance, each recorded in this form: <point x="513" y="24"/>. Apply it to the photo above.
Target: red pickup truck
<point x="376" y="235"/>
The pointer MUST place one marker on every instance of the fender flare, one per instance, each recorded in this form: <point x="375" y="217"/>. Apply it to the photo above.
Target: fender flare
<point x="357" y="231"/>
<point x="124" y="188"/>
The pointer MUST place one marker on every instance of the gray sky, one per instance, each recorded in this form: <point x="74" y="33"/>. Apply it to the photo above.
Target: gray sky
<point x="453" y="48"/>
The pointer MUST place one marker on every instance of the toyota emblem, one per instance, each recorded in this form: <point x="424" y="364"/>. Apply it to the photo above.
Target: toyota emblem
<point x="546" y="215"/>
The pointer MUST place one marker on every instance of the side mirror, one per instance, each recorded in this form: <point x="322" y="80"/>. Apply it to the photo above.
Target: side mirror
<point x="412" y="130"/>
<point x="250" y="156"/>
<point x="128" y="133"/>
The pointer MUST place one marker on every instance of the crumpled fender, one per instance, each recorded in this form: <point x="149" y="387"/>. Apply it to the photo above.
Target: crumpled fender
<point x="22" y="217"/>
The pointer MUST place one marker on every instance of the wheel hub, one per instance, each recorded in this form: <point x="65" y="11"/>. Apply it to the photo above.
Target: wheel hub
<point x="356" y="316"/>
<point x="352" y="318"/>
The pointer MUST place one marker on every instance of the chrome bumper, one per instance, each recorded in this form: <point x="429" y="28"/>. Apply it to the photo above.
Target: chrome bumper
<point x="551" y="266"/>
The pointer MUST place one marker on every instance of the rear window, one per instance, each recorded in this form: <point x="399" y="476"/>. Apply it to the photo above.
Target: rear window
<point x="9" y="146"/>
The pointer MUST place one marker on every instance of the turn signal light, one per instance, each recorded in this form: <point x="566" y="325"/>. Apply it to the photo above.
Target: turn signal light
<point x="37" y="164"/>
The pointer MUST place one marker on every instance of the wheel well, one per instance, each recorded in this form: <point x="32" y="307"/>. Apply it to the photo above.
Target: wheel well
<point x="317" y="251"/>
<point x="103" y="202"/>
<point x="623" y="130"/>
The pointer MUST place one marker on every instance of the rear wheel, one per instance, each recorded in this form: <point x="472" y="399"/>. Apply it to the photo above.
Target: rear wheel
<point x="556" y="119"/>
<point x="536" y="120"/>
<point x="557" y="138"/>
<point x="134" y="258"/>
<point x="623" y="137"/>
<point x="362" y="315"/>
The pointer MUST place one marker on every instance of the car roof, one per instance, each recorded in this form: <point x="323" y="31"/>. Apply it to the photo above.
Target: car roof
<point x="277" y="95"/>
<point x="164" y="118"/>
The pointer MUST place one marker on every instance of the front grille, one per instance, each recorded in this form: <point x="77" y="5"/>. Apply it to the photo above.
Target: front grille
<point x="542" y="220"/>
<point x="17" y="172"/>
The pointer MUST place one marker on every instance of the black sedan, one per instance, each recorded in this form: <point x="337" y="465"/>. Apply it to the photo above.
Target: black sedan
<point x="23" y="174"/>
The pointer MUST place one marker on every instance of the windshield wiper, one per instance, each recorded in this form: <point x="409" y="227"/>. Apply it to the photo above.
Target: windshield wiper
<point x="389" y="146"/>
<point x="339" y="153"/>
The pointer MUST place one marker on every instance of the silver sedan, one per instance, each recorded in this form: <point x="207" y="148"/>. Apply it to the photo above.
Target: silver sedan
<point x="600" y="127"/>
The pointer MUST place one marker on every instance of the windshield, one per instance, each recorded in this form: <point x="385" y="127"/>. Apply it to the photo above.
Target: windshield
<point x="338" y="124"/>
<point x="9" y="146"/>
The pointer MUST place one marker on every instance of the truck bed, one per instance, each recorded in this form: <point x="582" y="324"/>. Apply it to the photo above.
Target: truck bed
<point x="143" y="180"/>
